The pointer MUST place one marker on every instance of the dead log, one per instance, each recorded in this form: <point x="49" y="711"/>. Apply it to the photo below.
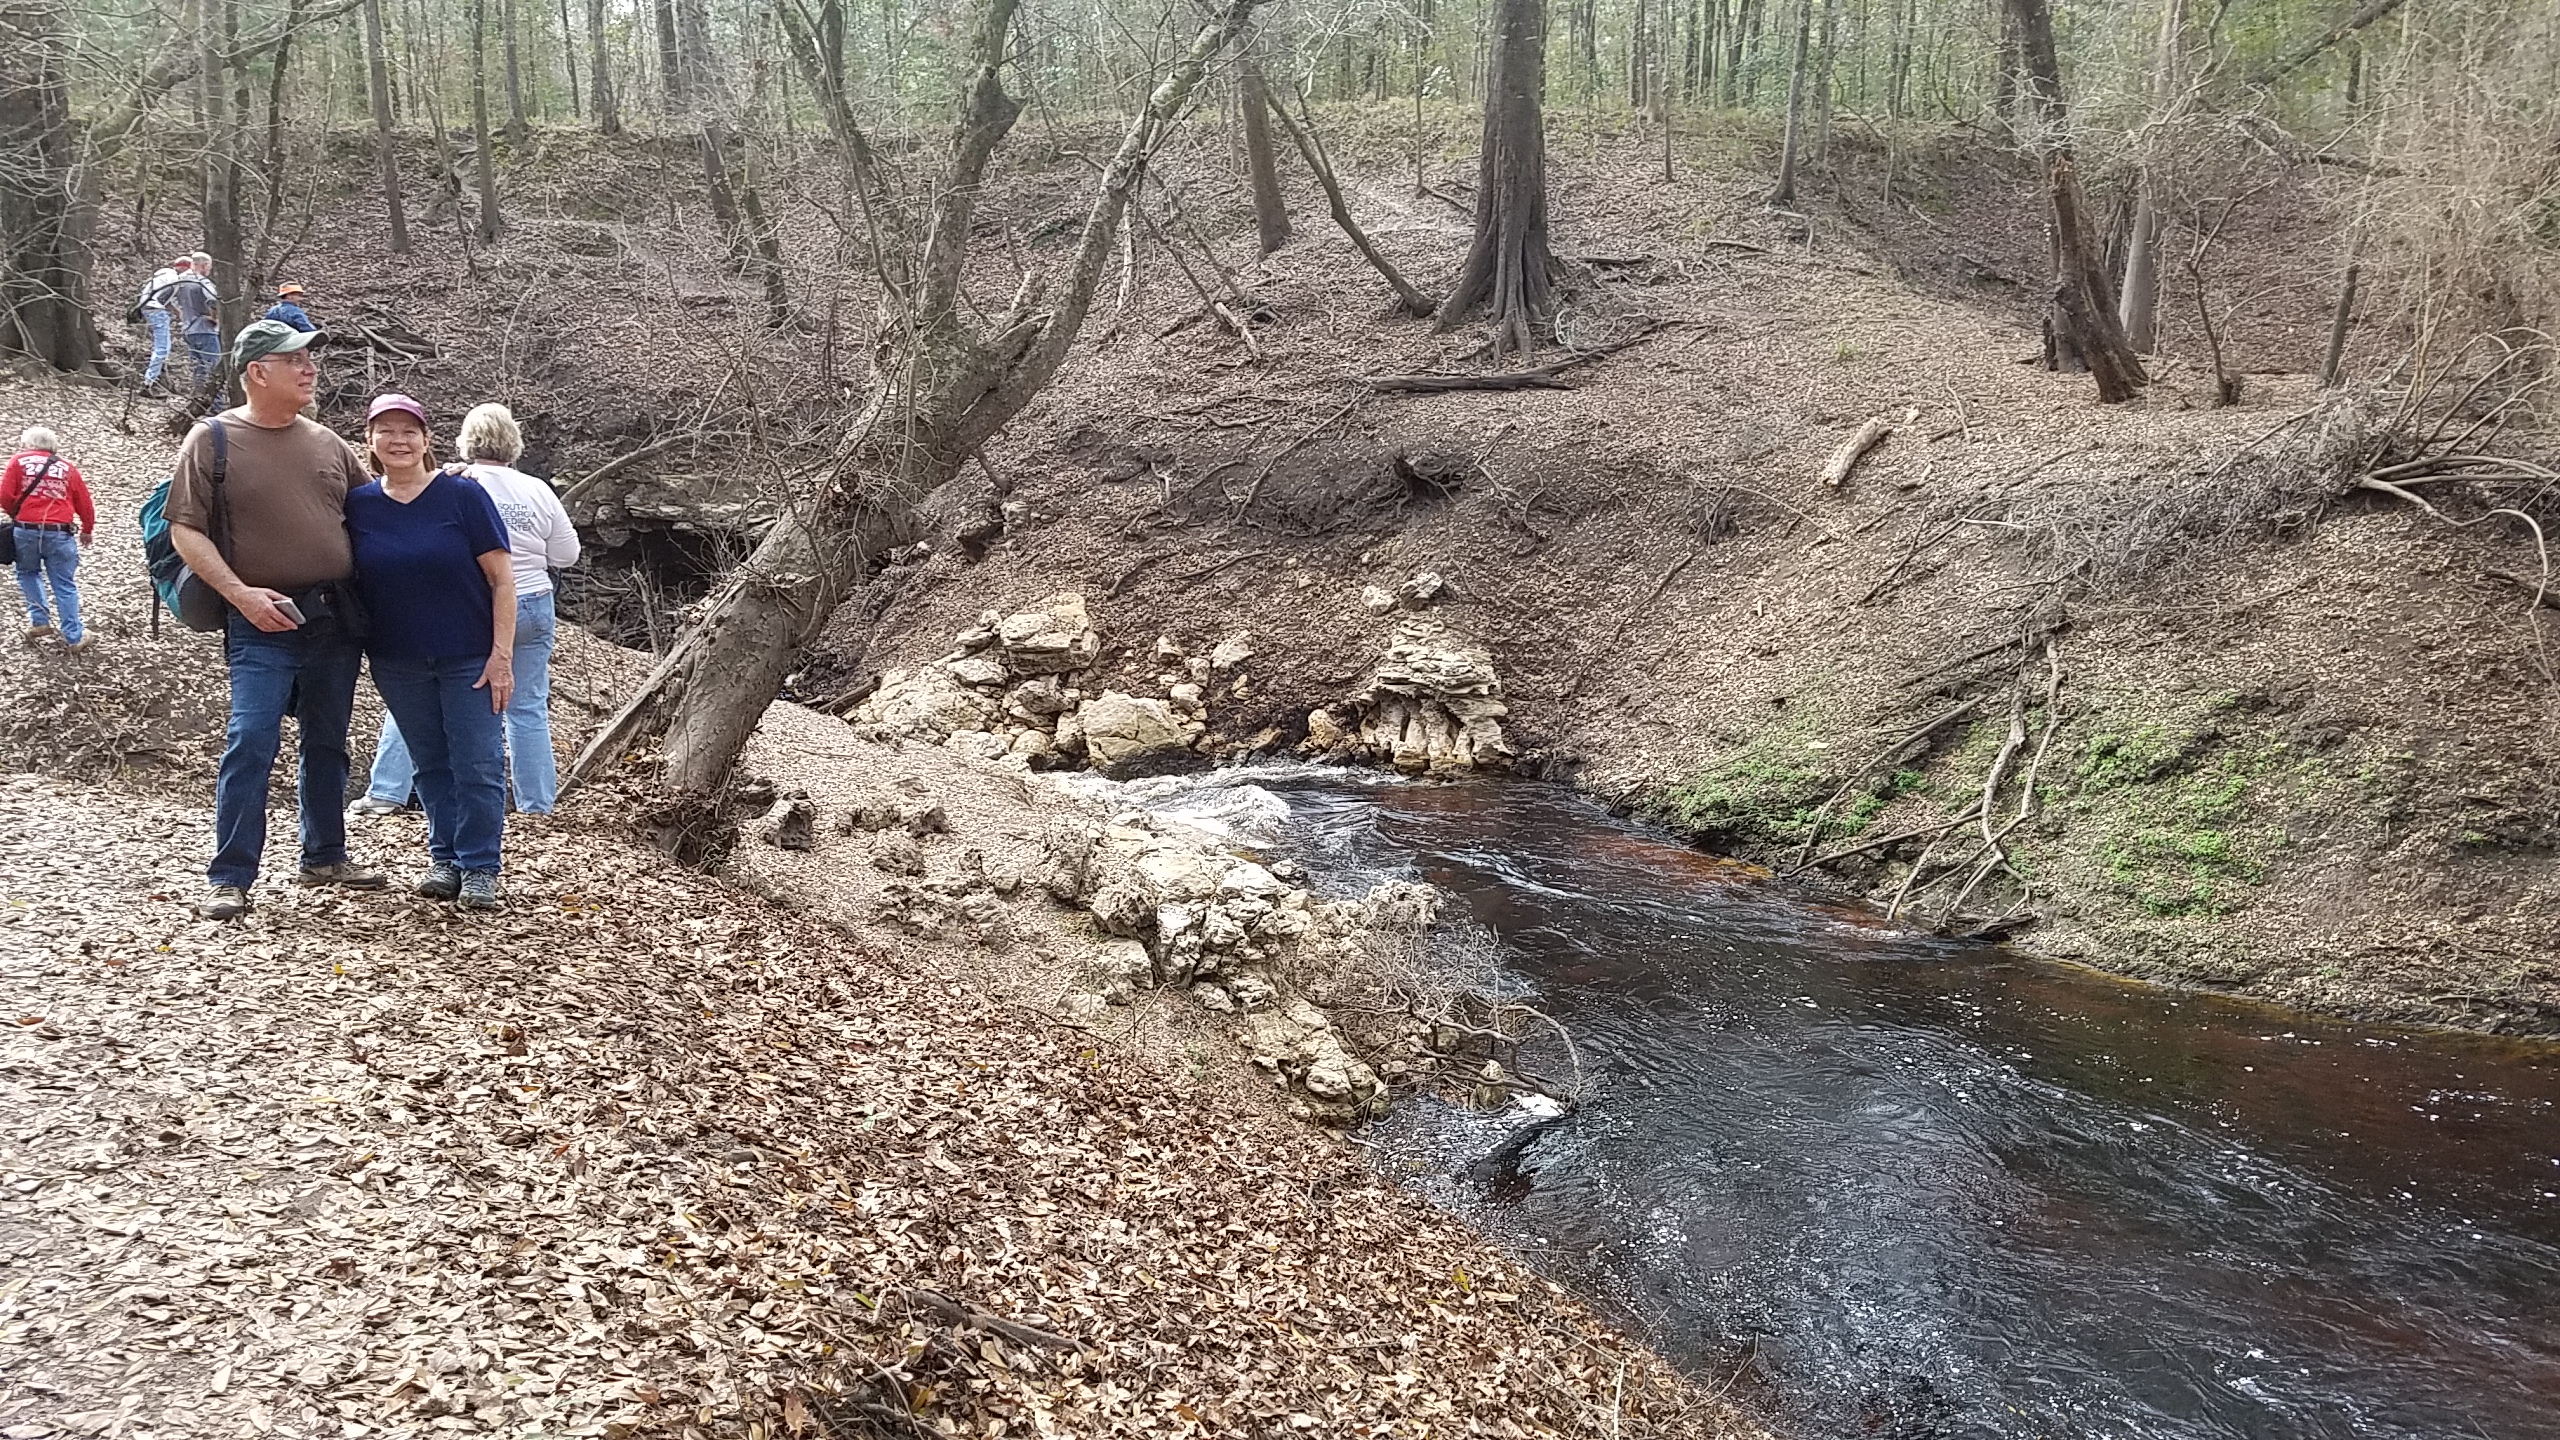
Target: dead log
<point x="1835" y="473"/>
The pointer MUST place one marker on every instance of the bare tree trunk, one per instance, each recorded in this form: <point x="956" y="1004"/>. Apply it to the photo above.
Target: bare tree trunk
<point x="221" y="168"/>
<point x="516" y="127"/>
<point x="1829" y="49"/>
<point x="569" y="61"/>
<point x="2082" y="324"/>
<point x="490" y="224"/>
<point x="671" y="76"/>
<point x="2370" y="13"/>
<point x="2333" y="364"/>
<point x="600" y="76"/>
<point x="2140" y="307"/>
<point x="271" y="223"/>
<point x="1510" y="270"/>
<point x="693" y="51"/>
<point x="939" y="393"/>
<point x="1416" y="304"/>
<point x="1270" y="212"/>
<point x="1785" y="194"/>
<point x="378" y="77"/>
<point x="44" y="308"/>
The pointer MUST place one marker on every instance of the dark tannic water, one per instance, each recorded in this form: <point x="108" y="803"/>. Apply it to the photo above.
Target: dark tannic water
<point x="1884" y="1186"/>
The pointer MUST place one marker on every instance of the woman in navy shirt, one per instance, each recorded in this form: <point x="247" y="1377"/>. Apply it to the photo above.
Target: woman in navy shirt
<point x="432" y="567"/>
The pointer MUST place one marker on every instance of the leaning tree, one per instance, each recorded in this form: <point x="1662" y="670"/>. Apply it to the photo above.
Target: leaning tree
<point x="1510" y="271"/>
<point x="2082" y="329"/>
<point x="942" y="383"/>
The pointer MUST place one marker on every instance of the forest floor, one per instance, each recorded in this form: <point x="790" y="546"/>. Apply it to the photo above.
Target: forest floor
<point x="2308" y="747"/>
<point x="646" y="1154"/>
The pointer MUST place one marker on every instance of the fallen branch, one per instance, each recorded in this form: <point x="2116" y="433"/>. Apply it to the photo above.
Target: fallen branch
<point x="1919" y="543"/>
<point x="2541" y="545"/>
<point x="1416" y="304"/>
<point x="617" y="465"/>
<point x="1835" y="472"/>
<point x="1890" y="754"/>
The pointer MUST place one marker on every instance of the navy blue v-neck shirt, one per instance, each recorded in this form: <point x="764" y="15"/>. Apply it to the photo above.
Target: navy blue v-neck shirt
<point x="418" y="567"/>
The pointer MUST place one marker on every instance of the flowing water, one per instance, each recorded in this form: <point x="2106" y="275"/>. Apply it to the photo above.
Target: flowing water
<point x="1874" y="1184"/>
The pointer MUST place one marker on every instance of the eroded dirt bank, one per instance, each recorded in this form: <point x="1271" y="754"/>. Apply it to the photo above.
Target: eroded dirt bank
<point x="2302" y="742"/>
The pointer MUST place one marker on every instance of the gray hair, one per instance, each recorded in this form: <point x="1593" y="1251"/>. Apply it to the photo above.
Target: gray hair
<point x="490" y="433"/>
<point x="202" y="261"/>
<point x="37" y="437"/>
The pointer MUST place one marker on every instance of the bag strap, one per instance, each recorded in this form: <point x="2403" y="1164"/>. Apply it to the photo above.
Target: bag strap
<point x="35" y="480"/>
<point x="221" y="494"/>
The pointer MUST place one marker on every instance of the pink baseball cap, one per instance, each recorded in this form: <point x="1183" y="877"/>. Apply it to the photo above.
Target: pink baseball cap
<point x="384" y="404"/>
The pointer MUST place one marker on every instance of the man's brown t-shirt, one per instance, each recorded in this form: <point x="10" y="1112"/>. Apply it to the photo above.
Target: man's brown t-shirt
<point x="287" y="490"/>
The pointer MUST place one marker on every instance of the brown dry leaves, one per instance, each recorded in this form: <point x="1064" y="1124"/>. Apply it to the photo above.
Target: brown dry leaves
<point x="639" y="1156"/>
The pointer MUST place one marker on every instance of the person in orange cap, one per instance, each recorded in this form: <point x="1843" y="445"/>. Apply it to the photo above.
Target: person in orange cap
<point x="288" y="309"/>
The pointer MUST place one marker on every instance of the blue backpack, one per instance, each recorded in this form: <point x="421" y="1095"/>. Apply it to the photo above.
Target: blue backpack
<point x="173" y="585"/>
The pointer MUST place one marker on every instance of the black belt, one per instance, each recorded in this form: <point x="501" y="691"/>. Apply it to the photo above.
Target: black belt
<point x="47" y="525"/>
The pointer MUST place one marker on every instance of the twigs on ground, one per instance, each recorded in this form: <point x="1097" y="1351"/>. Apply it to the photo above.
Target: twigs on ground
<point x="1628" y="618"/>
<point x="1542" y="377"/>
<point x="1254" y="490"/>
<point x="1926" y="539"/>
<point x="1890" y="755"/>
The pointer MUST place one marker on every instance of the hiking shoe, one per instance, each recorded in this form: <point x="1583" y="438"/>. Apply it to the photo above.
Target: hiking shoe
<point x="83" y="643"/>
<point x="375" y="805"/>
<point x="480" y="890"/>
<point x="346" y="873"/>
<point x="223" y="902"/>
<point x="37" y="633"/>
<point x="441" y="882"/>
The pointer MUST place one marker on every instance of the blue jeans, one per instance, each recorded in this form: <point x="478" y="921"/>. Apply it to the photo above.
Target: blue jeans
<point x="158" y="320"/>
<point x="530" y="762"/>
<point x="50" y="555"/>
<point x="460" y="749"/>
<point x="204" y="351"/>
<point x="309" y="673"/>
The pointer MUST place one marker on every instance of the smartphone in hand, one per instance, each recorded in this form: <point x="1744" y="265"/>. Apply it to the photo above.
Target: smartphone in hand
<point x="291" y="611"/>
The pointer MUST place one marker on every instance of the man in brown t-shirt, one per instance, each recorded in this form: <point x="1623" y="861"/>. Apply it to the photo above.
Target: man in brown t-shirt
<point x="284" y="566"/>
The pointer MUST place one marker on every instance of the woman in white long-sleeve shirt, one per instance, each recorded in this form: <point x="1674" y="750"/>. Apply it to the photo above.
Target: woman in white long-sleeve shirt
<point x="540" y="539"/>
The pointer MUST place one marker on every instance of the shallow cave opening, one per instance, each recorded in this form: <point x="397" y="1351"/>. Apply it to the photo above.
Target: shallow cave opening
<point x="634" y="592"/>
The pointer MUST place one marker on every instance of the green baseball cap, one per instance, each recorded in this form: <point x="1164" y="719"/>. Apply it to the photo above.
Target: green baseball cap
<point x="262" y="338"/>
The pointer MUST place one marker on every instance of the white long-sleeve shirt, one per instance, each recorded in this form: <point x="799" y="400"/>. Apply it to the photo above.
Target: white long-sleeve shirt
<point x="540" y="538"/>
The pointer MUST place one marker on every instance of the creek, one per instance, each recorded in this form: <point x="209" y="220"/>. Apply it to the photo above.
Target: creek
<point x="1869" y="1183"/>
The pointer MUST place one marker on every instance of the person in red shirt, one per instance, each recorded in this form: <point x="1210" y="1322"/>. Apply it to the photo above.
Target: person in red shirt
<point x="49" y="503"/>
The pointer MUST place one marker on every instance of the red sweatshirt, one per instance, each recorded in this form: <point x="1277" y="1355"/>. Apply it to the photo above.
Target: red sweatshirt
<point x="41" y="494"/>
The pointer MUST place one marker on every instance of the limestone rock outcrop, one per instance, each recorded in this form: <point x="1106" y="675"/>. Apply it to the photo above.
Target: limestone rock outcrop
<point x="1017" y="689"/>
<point x="1123" y="730"/>
<point x="1432" y="705"/>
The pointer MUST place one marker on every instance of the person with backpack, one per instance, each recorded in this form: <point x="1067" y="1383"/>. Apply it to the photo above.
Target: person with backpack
<point x="52" y="522"/>
<point x="199" y="318"/>
<point x="152" y="307"/>
<point x="257" y="510"/>
<point x="540" y="539"/>
<point x="433" y="566"/>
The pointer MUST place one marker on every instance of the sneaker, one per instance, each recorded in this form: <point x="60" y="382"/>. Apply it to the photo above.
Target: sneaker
<point x="375" y="805"/>
<point x="441" y="882"/>
<point x="346" y="873"/>
<point x="223" y="902"/>
<point x="480" y="890"/>
<point x="39" y="632"/>
<point x="83" y="643"/>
